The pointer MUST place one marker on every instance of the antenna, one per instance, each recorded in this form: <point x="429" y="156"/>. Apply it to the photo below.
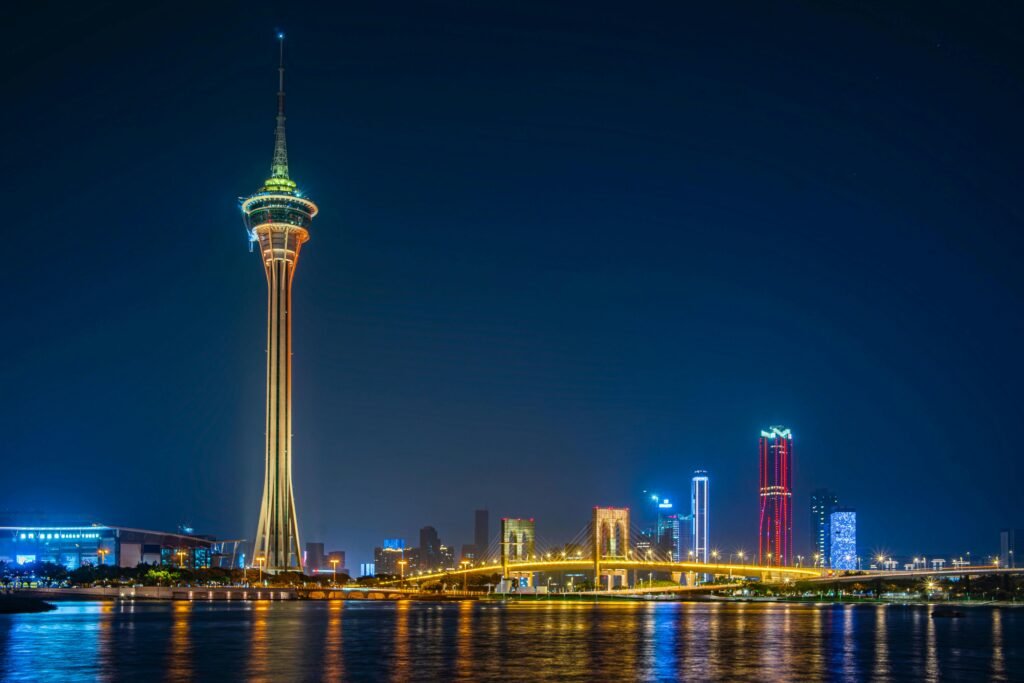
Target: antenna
<point x="279" y="168"/>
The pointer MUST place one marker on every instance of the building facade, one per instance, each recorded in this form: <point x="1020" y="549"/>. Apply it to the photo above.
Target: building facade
<point x="386" y="558"/>
<point x="481" y="533"/>
<point x="76" y="546"/>
<point x="775" y="522"/>
<point x="669" y="541"/>
<point x="335" y="563"/>
<point x="1008" y="547"/>
<point x="823" y="502"/>
<point x="843" y="541"/>
<point x="429" y="550"/>
<point x="315" y="557"/>
<point x="701" y="525"/>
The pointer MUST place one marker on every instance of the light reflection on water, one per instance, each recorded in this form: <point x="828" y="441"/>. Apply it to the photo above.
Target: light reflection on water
<point x="474" y="641"/>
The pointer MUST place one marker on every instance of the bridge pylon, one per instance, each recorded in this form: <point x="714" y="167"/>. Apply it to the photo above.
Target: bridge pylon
<point x="517" y="542"/>
<point x="610" y="538"/>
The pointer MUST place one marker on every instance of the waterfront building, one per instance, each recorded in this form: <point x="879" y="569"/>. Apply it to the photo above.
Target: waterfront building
<point x="1008" y="547"/>
<point x="699" y="511"/>
<point x="314" y="557"/>
<point x="823" y="502"/>
<point x="387" y="557"/>
<point x="481" y="532"/>
<point x="277" y="218"/>
<point x="669" y="531"/>
<point x="843" y="543"/>
<point x="775" y="522"/>
<point x="74" y="546"/>
<point x="335" y="556"/>
<point x="469" y="553"/>
<point x="447" y="554"/>
<point x="429" y="555"/>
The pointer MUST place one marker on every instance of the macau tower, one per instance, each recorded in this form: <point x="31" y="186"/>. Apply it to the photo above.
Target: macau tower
<point x="277" y="217"/>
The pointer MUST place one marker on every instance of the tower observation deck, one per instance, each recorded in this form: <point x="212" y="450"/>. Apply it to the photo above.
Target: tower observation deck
<point x="278" y="217"/>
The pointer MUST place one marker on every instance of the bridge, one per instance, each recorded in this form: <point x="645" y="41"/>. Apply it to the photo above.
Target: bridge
<point x="607" y="548"/>
<point x="896" y="575"/>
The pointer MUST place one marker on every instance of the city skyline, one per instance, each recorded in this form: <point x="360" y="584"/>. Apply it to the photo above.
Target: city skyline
<point x="526" y="271"/>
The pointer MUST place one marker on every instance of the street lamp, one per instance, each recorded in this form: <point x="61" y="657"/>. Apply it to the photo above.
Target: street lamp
<point x="401" y="568"/>
<point x="181" y="558"/>
<point x="334" y="568"/>
<point x="103" y="552"/>
<point x="259" y="562"/>
<point x="465" y="574"/>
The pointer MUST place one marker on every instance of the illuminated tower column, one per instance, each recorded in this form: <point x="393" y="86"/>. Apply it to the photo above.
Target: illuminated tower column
<point x="277" y="218"/>
<point x="775" y="526"/>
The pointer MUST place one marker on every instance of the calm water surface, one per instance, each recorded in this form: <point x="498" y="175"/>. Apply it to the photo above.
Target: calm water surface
<point x="522" y="641"/>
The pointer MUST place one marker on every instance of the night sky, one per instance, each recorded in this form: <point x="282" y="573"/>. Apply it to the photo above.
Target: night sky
<point x="564" y="255"/>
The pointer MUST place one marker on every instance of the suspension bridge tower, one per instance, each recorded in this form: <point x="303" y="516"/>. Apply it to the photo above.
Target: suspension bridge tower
<point x="278" y="217"/>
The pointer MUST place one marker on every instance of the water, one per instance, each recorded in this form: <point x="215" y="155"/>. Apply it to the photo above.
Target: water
<point x="475" y="641"/>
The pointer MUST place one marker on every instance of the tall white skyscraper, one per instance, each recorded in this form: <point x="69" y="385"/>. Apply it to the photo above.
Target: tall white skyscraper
<point x="699" y="510"/>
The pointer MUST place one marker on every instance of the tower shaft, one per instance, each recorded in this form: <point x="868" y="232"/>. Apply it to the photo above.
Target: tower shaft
<point x="277" y="536"/>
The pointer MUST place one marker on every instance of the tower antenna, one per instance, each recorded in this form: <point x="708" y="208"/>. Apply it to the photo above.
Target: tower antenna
<point x="279" y="169"/>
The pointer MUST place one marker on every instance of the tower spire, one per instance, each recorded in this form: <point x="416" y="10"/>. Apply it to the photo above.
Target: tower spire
<point x="279" y="169"/>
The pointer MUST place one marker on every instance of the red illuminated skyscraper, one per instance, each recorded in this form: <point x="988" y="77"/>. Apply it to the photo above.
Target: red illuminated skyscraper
<point x="775" y="531"/>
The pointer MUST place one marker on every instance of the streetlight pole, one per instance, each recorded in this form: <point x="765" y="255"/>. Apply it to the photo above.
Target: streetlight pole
<point x="259" y="563"/>
<point x="334" y="568"/>
<point x="401" y="568"/>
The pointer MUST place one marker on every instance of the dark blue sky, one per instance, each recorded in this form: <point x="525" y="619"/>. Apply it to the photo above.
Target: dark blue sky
<point x="564" y="255"/>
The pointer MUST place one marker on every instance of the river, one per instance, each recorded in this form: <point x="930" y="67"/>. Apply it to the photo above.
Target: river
<point x="529" y="641"/>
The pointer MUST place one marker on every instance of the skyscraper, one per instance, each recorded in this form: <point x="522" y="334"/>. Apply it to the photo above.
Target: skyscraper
<point x="481" y="532"/>
<point x="699" y="512"/>
<point x="430" y="549"/>
<point x="667" y="539"/>
<point x="1008" y="547"/>
<point x="775" y="525"/>
<point x="314" y="557"/>
<point x="823" y="502"/>
<point x="843" y="545"/>
<point x="277" y="218"/>
<point x="386" y="558"/>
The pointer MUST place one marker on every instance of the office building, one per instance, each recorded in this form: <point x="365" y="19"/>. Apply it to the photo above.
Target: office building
<point x="429" y="551"/>
<point x="668" y="532"/>
<point x="843" y="543"/>
<point x="386" y="558"/>
<point x="1008" y="547"/>
<point x="823" y="502"/>
<point x="315" y="558"/>
<point x="481" y="532"/>
<point x="447" y="554"/>
<point x="775" y="521"/>
<point x="699" y="511"/>
<point x="335" y="563"/>
<point x="367" y="569"/>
